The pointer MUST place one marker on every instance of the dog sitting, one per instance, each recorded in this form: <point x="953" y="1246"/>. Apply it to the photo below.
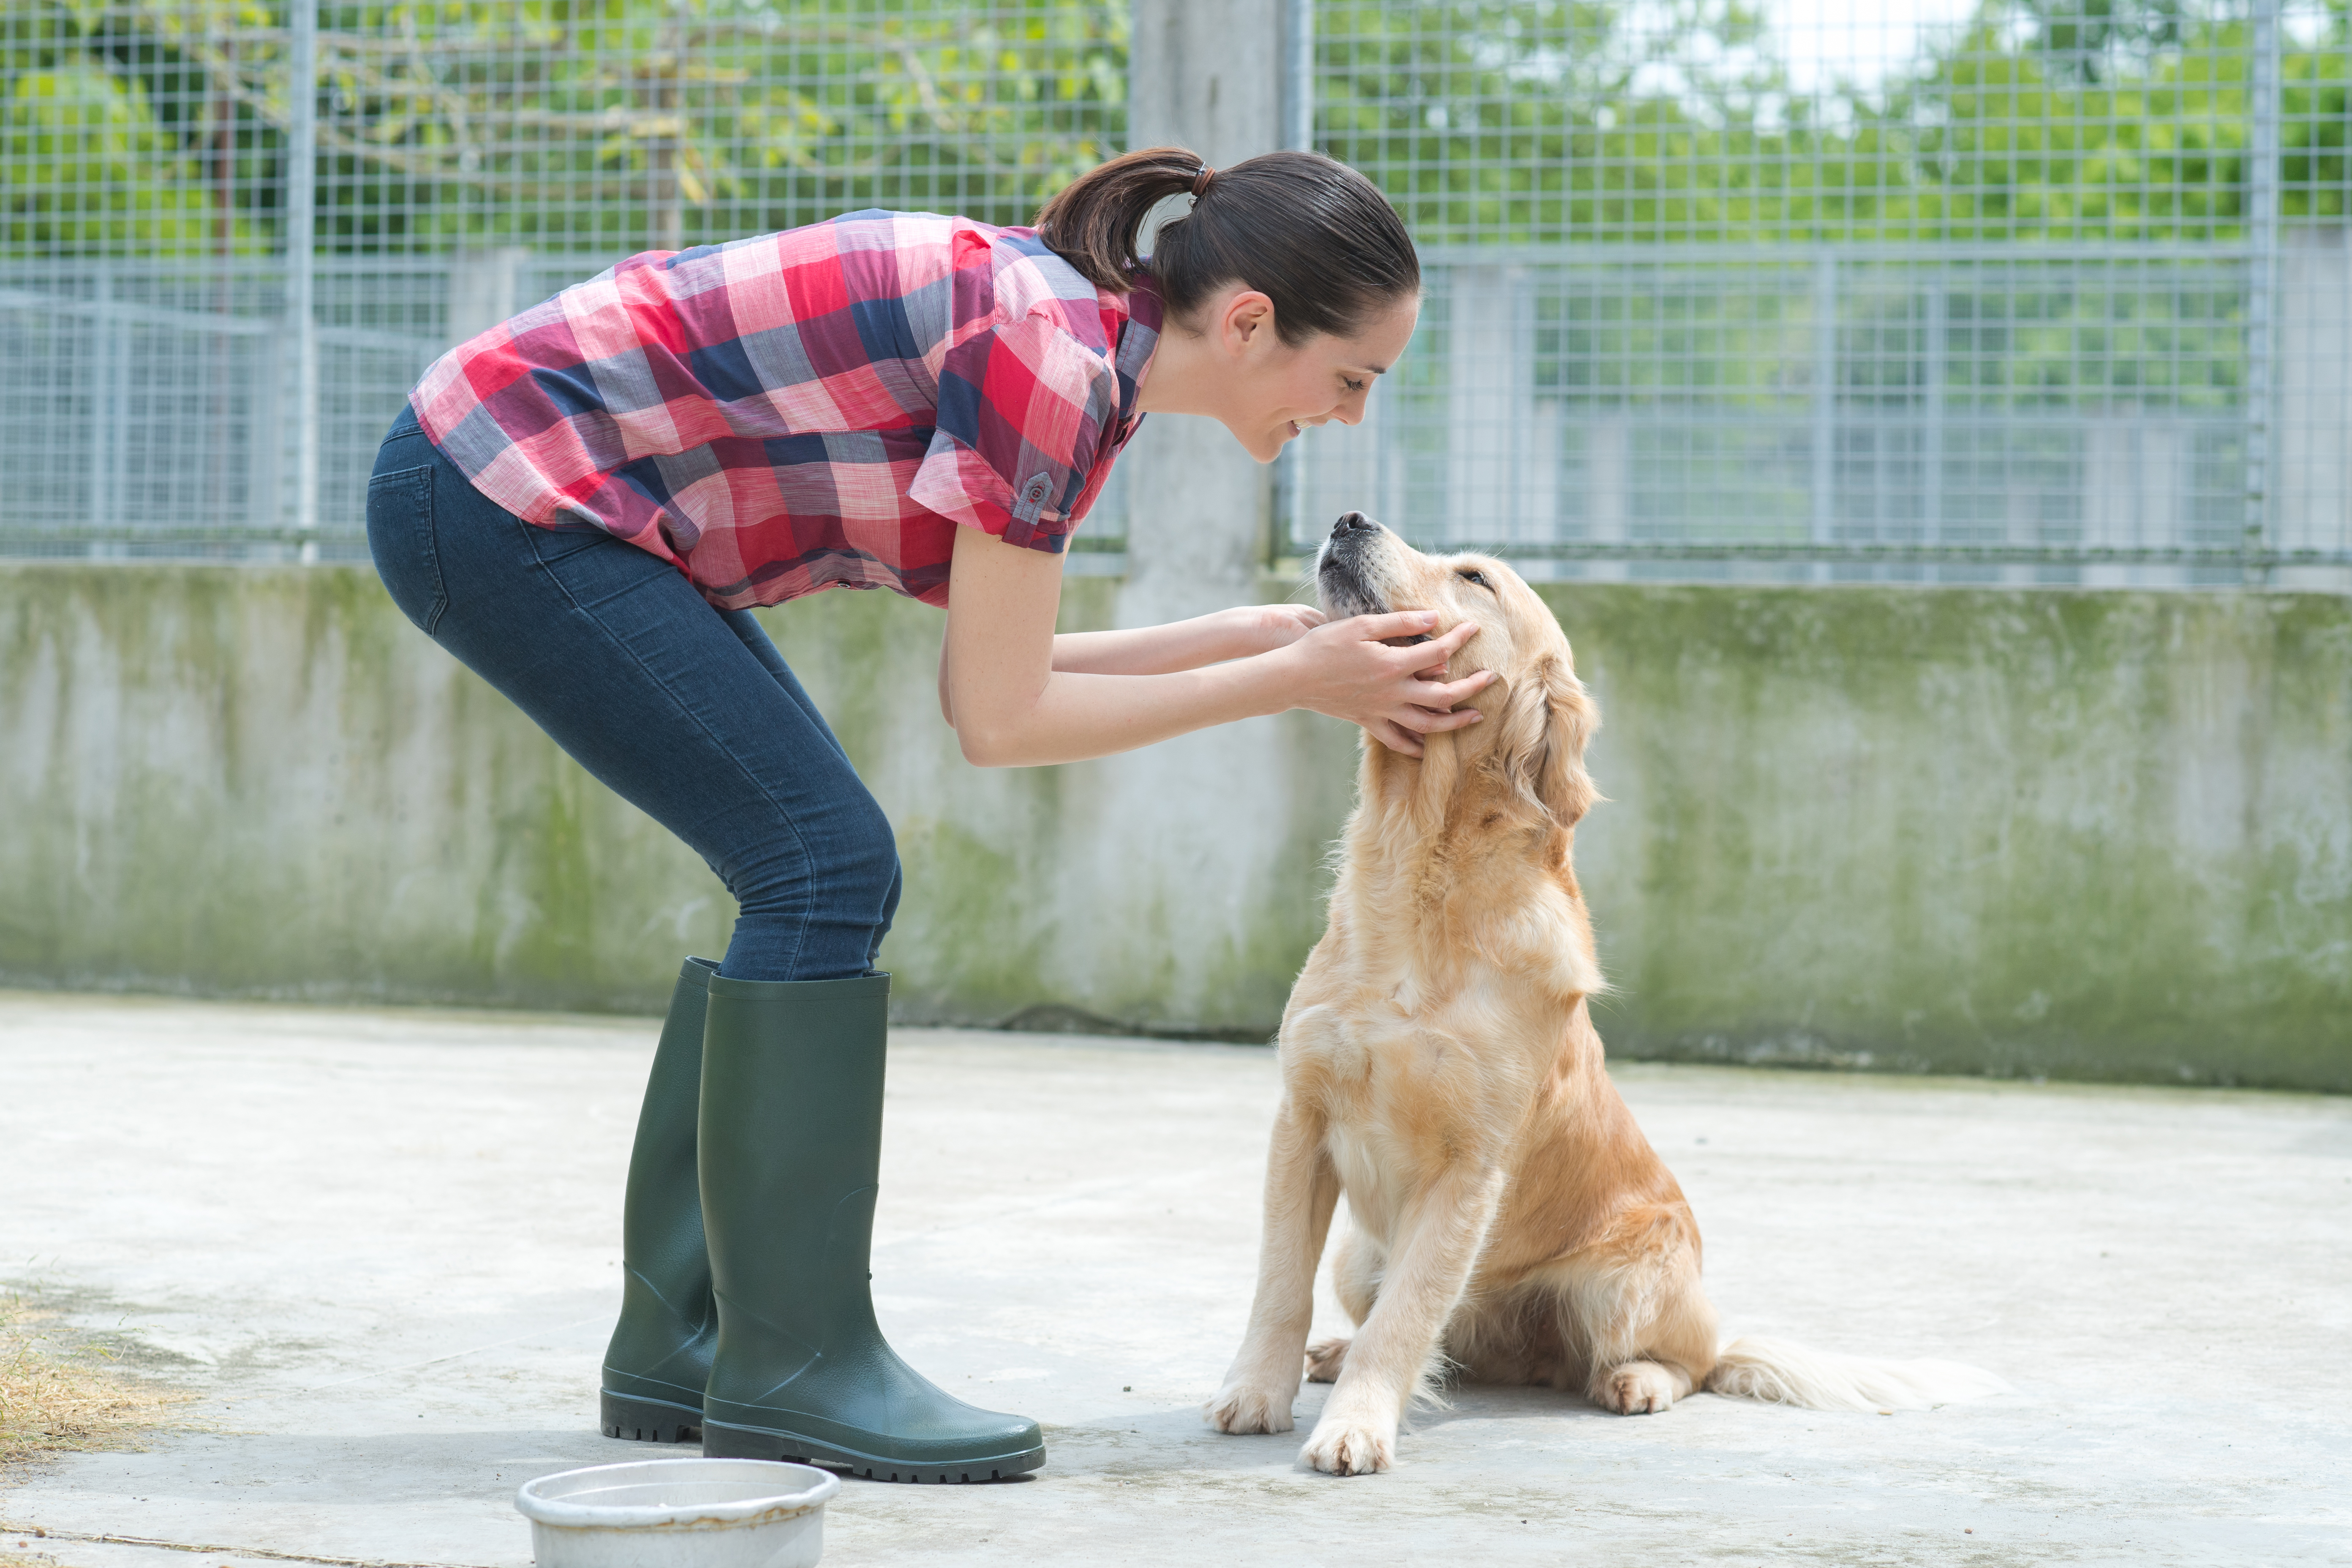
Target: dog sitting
<point x="1439" y="1067"/>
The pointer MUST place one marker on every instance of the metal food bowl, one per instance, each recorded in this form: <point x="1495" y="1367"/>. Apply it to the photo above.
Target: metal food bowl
<point x="679" y="1513"/>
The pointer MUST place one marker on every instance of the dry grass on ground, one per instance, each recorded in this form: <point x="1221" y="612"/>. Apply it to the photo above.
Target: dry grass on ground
<point x="61" y="1396"/>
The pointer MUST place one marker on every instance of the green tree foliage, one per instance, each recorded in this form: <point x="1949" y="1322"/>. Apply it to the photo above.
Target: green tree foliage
<point x="606" y="124"/>
<point x="1545" y="123"/>
<point x="596" y="125"/>
<point x="89" y="164"/>
<point x="158" y="126"/>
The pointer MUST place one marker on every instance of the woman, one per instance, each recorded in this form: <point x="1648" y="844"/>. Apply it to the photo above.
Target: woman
<point x="584" y="504"/>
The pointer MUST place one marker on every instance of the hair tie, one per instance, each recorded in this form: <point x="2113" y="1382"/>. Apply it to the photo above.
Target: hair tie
<point x="1200" y="180"/>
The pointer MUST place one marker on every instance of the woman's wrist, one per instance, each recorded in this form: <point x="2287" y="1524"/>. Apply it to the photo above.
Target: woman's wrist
<point x="1246" y="632"/>
<point x="1219" y="636"/>
<point x="1266" y="628"/>
<point x="1275" y="679"/>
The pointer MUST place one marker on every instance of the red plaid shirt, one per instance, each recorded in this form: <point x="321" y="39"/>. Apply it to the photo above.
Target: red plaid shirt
<point x="813" y="409"/>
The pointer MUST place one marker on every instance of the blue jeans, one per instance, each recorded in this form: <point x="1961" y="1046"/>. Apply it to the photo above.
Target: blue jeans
<point x="685" y="711"/>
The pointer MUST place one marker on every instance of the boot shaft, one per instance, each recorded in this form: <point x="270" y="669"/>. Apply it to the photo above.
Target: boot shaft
<point x="791" y="1146"/>
<point x="661" y="1223"/>
<point x="658" y="1361"/>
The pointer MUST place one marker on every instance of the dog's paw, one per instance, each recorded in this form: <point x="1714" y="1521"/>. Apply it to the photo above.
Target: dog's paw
<point x="1240" y="1408"/>
<point x="1324" y="1360"/>
<point x="1344" y="1447"/>
<point x="1639" y="1388"/>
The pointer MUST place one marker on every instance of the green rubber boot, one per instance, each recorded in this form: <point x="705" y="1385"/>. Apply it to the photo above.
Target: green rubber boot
<point x="791" y="1147"/>
<point x="660" y="1354"/>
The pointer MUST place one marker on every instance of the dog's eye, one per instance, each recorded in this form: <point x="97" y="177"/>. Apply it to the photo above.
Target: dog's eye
<point x="1477" y="577"/>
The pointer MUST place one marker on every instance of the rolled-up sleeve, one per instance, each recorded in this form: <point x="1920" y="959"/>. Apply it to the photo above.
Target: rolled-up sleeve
<point x="1026" y="413"/>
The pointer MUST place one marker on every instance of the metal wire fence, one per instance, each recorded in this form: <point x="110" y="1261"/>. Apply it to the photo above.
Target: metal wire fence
<point x="190" y="376"/>
<point x="2049" y="289"/>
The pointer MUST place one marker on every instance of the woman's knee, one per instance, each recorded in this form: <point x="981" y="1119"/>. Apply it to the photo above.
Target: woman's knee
<point x="846" y="858"/>
<point x="867" y="856"/>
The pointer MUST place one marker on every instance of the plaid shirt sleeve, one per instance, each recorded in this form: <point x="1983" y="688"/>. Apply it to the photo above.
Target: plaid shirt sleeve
<point x="822" y="408"/>
<point x="1025" y="414"/>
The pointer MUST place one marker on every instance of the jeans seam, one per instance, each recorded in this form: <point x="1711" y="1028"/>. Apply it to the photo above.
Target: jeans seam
<point x="429" y="540"/>
<point x="800" y="934"/>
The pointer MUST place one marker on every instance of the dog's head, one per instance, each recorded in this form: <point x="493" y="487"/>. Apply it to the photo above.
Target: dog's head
<point x="1538" y="716"/>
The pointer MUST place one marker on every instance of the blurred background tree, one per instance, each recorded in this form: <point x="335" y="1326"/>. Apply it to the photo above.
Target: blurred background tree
<point x="1582" y="122"/>
<point x="601" y="125"/>
<point x="604" y="125"/>
<point x="107" y="152"/>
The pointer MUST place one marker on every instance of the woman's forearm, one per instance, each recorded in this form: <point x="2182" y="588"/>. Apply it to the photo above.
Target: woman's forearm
<point x="1158" y="650"/>
<point x="1078" y="714"/>
<point x="1001" y="685"/>
<point x="1205" y="639"/>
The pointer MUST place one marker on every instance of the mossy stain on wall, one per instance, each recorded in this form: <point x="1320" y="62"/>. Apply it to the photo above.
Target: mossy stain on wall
<point x="2087" y="834"/>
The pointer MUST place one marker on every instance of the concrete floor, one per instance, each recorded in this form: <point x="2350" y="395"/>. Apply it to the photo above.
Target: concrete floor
<point x="381" y="1248"/>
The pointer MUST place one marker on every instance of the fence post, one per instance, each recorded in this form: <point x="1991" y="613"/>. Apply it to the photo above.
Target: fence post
<point x="1931" y="449"/>
<point x="105" y="402"/>
<point x="485" y="289"/>
<point x="1205" y="74"/>
<point x="2262" y="220"/>
<point x="301" y="190"/>
<point x="1297" y="136"/>
<point x="1489" y="387"/>
<point x="1825" y="372"/>
<point x="1298" y="75"/>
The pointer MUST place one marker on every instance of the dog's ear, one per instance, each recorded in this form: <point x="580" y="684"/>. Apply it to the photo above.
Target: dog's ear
<point x="1546" y="725"/>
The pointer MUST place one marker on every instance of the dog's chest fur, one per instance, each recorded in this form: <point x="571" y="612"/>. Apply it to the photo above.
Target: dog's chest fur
<point x="1432" y="1021"/>
<point x="1410" y="1082"/>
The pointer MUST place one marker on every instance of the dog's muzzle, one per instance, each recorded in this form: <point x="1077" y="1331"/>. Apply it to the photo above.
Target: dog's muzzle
<point x="1344" y="574"/>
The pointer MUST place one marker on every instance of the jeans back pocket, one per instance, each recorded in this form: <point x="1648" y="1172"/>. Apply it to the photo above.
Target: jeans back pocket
<point x="400" y="536"/>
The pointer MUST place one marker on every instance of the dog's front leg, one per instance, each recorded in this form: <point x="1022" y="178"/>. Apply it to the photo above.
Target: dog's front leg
<point x="1301" y="1190"/>
<point x="1392" y="1352"/>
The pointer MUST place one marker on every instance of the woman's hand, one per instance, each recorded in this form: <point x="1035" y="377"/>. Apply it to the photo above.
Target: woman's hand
<point x="1347" y="670"/>
<point x="1263" y="628"/>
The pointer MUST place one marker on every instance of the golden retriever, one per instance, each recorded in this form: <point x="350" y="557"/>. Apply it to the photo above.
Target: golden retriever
<point x="1439" y="1067"/>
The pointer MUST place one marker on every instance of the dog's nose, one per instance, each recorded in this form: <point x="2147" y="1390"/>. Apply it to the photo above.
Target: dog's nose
<point x="1352" y="522"/>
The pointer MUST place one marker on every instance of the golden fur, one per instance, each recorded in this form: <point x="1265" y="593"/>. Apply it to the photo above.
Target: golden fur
<point x="1440" y="1067"/>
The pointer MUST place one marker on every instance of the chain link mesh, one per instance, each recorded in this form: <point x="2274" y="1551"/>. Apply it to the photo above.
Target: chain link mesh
<point x="2048" y="289"/>
<point x="2042" y="289"/>
<point x="467" y="160"/>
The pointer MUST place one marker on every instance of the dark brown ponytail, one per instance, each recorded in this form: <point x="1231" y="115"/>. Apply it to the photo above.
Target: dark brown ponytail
<point x="1308" y="232"/>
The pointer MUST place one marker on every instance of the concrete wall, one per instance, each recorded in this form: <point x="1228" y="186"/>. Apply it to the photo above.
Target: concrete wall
<point x="2099" y="835"/>
<point x="2091" y="835"/>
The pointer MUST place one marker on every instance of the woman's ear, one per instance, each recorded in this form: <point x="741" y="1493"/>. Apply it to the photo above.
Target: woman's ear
<point x="1545" y="730"/>
<point x="1245" y="321"/>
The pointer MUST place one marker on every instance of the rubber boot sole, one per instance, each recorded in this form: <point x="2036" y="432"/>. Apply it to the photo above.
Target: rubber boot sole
<point x="721" y="1441"/>
<point x="639" y="1420"/>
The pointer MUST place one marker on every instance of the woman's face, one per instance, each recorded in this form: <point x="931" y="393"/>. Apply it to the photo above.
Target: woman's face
<point x="1274" y="390"/>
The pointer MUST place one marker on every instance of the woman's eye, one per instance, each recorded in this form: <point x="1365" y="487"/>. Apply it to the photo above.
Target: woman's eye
<point x="1352" y="386"/>
<point x="1477" y="577"/>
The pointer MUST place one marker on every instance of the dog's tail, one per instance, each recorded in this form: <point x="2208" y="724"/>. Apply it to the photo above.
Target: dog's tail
<point x="1784" y="1374"/>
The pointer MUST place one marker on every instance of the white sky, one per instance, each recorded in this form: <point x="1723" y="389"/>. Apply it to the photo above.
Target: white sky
<point x="1861" y="39"/>
<point x="1864" y="40"/>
